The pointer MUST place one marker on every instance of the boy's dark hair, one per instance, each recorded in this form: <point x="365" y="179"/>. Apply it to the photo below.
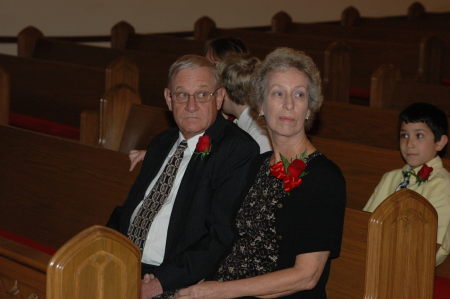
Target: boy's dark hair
<point x="221" y="47"/>
<point x="429" y="114"/>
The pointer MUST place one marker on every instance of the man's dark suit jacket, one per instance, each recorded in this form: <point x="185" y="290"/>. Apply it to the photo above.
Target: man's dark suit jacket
<point x="201" y="228"/>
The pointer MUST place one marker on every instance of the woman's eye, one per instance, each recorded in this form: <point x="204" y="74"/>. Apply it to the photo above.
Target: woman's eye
<point x="277" y="93"/>
<point x="420" y="135"/>
<point x="403" y="136"/>
<point x="299" y="94"/>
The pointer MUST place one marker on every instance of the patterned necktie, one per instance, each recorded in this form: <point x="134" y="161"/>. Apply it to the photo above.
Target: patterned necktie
<point x="138" y="230"/>
<point x="405" y="182"/>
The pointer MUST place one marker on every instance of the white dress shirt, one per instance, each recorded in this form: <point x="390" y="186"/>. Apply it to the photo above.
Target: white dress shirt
<point x="155" y="244"/>
<point x="247" y="123"/>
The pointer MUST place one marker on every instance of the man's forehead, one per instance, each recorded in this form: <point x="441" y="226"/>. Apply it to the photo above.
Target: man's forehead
<point x="199" y="77"/>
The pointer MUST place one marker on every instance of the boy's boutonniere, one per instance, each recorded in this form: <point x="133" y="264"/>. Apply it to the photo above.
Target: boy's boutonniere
<point x="290" y="173"/>
<point x="203" y="147"/>
<point x="423" y="174"/>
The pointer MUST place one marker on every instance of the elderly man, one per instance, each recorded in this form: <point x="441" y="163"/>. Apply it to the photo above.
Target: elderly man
<point x="181" y="208"/>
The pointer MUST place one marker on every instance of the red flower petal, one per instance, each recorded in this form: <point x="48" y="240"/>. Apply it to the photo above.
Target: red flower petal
<point x="296" y="167"/>
<point x="424" y="172"/>
<point x="277" y="170"/>
<point x="203" y="144"/>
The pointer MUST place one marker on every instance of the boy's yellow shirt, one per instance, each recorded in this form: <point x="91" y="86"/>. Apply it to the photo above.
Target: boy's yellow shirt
<point x="436" y="190"/>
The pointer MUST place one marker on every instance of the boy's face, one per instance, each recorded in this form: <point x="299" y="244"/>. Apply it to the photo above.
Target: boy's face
<point x="417" y="143"/>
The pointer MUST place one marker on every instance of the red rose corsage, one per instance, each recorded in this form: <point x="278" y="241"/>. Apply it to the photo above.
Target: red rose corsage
<point x="423" y="174"/>
<point x="203" y="147"/>
<point x="290" y="173"/>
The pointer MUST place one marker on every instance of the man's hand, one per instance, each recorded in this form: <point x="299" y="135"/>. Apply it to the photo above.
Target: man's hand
<point x="150" y="287"/>
<point x="136" y="156"/>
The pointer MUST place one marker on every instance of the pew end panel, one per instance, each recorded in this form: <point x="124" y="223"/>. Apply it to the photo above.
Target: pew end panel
<point x="96" y="263"/>
<point x="27" y="40"/>
<point x="281" y="22"/>
<point x="337" y="65"/>
<point x="120" y="34"/>
<point x="122" y="71"/>
<point x="382" y="85"/>
<point x="143" y="124"/>
<point x="114" y="111"/>
<point x="401" y="248"/>
<point x="89" y="127"/>
<point x="204" y="29"/>
<point x="5" y="83"/>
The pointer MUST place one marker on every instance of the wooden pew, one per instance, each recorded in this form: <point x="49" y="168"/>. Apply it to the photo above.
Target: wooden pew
<point x="60" y="178"/>
<point x="389" y="90"/>
<point x="55" y="91"/>
<point x="282" y="23"/>
<point x="377" y="259"/>
<point x="416" y="19"/>
<point x="152" y="66"/>
<point x="96" y="263"/>
<point x="49" y="194"/>
<point x="70" y="167"/>
<point x="126" y="125"/>
<point x="124" y="37"/>
<point x="376" y="127"/>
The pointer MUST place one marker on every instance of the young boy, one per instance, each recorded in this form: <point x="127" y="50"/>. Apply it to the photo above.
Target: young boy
<point x="423" y="134"/>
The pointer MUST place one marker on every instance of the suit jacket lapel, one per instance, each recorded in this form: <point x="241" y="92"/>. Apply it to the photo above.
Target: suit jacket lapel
<point x="188" y="185"/>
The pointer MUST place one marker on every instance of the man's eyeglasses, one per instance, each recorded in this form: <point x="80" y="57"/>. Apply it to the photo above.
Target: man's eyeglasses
<point x="200" y="96"/>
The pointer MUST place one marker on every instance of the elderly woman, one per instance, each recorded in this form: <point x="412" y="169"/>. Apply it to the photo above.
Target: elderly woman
<point x="290" y="224"/>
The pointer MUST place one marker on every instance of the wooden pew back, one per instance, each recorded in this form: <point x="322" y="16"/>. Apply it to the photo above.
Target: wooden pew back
<point x="388" y="90"/>
<point x="60" y="187"/>
<point x="282" y="22"/>
<point x="389" y="253"/>
<point x="152" y="66"/>
<point x="58" y="91"/>
<point x="365" y="55"/>
<point x="96" y="263"/>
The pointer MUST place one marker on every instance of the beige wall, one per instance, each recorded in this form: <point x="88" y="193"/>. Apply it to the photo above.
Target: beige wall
<point x="85" y="17"/>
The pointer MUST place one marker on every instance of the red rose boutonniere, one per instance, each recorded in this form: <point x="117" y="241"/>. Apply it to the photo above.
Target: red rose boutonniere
<point x="423" y="174"/>
<point x="203" y="147"/>
<point x="290" y="173"/>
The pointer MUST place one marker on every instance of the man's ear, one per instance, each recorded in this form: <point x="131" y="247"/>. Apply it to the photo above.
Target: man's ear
<point x="220" y="94"/>
<point x="168" y="98"/>
<point x="441" y="143"/>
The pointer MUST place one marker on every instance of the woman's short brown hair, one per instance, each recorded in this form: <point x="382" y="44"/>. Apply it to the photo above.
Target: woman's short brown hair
<point x="282" y="59"/>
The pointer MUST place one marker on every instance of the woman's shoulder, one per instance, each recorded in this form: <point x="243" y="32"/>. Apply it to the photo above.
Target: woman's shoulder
<point x="321" y="166"/>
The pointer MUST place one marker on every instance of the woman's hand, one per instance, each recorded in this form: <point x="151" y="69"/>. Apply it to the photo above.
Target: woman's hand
<point x="136" y="156"/>
<point x="202" y="290"/>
